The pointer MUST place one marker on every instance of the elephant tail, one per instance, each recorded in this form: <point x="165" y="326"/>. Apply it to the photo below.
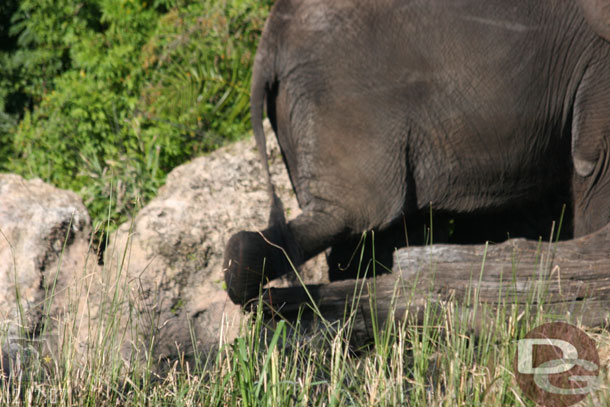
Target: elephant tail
<point x="261" y="82"/>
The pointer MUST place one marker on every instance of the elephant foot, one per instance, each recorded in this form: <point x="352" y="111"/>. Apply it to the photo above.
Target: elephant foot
<point x="249" y="262"/>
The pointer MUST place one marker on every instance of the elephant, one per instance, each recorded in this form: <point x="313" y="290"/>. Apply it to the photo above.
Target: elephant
<point x="384" y="109"/>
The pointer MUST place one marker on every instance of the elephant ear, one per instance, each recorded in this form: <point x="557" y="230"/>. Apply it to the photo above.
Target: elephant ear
<point x="597" y="13"/>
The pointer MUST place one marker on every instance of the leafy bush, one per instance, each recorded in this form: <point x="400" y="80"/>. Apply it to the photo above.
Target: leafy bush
<point x="110" y="95"/>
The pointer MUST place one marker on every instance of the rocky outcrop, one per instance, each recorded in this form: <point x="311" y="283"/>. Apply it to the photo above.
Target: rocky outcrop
<point x="44" y="241"/>
<point x="162" y="279"/>
<point x="172" y="251"/>
<point x="44" y="258"/>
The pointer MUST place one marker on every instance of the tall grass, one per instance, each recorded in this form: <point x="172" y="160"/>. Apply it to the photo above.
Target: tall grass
<point x="438" y="360"/>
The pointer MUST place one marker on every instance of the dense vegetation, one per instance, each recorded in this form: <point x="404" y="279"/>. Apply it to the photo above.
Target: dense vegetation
<point x="104" y="97"/>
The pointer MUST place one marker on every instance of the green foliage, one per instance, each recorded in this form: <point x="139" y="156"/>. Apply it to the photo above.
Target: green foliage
<point x="104" y="97"/>
<point x="199" y="62"/>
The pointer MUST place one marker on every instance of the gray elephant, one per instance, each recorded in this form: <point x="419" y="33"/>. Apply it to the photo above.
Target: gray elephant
<point x="386" y="108"/>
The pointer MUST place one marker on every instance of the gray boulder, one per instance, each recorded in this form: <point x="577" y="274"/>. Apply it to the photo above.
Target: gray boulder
<point x="45" y="261"/>
<point x="162" y="280"/>
<point x="172" y="252"/>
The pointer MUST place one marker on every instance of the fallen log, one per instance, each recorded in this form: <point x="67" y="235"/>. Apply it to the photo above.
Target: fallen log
<point x="568" y="278"/>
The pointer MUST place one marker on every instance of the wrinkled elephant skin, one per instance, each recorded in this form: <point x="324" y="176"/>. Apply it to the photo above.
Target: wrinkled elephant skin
<point x="387" y="108"/>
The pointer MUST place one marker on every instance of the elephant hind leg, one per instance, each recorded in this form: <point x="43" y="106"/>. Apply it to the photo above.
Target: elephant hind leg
<point x="592" y="198"/>
<point x="314" y="230"/>
<point x="368" y="254"/>
<point x="591" y="151"/>
<point x="249" y="261"/>
<point x="255" y="258"/>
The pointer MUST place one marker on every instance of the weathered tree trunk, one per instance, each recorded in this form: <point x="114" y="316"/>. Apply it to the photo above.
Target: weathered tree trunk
<point x="569" y="278"/>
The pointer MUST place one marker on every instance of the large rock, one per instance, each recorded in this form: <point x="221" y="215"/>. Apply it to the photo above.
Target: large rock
<point x="171" y="254"/>
<point x="44" y="257"/>
<point x="162" y="277"/>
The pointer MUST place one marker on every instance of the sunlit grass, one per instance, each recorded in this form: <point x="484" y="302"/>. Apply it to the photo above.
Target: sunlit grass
<point x="440" y="360"/>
